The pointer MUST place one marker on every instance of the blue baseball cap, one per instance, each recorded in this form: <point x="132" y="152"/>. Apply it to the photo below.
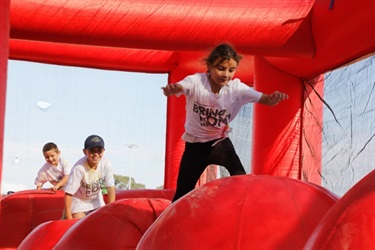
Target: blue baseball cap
<point x="94" y="141"/>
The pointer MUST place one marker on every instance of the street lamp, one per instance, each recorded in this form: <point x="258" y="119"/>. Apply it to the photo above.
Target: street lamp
<point x="131" y="146"/>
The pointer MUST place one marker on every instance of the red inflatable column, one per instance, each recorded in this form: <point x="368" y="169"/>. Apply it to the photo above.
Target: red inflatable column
<point x="4" y="48"/>
<point x="277" y="130"/>
<point x="175" y="128"/>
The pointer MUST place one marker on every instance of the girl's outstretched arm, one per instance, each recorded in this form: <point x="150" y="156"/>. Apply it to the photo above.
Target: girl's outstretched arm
<point x="172" y="89"/>
<point x="273" y="99"/>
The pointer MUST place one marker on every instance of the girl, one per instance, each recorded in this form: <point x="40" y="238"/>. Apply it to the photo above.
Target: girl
<point x="213" y="99"/>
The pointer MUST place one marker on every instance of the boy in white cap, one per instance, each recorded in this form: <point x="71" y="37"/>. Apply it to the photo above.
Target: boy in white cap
<point x="83" y="193"/>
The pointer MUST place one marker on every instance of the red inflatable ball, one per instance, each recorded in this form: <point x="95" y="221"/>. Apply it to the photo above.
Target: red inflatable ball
<point x="46" y="235"/>
<point x="241" y="212"/>
<point x="119" y="225"/>
<point x="350" y="224"/>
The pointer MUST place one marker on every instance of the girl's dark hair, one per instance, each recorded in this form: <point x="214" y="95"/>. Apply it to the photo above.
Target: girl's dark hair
<point x="223" y="51"/>
<point x="50" y="146"/>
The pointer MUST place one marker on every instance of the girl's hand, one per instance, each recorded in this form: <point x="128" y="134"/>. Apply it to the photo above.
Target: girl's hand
<point x="277" y="97"/>
<point x="172" y="89"/>
<point x="273" y="99"/>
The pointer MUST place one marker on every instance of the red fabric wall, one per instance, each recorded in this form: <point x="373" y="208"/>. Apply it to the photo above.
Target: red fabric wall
<point x="4" y="49"/>
<point x="287" y="139"/>
<point x="277" y="129"/>
<point x="167" y="25"/>
<point x="311" y="136"/>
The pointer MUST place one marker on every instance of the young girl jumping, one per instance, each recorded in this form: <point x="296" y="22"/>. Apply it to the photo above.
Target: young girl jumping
<point x="213" y="99"/>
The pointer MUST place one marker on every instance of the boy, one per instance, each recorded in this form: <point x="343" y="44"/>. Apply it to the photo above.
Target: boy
<point x="83" y="192"/>
<point x="55" y="170"/>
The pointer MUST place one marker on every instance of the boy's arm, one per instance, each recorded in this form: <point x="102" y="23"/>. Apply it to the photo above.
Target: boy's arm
<point x="68" y="206"/>
<point x="40" y="179"/>
<point x="61" y="183"/>
<point x="111" y="194"/>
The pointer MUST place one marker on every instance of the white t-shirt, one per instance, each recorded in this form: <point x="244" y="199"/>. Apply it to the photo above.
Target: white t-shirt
<point x="208" y="114"/>
<point x="49" y="173"/>
<point x="84" y="184"/>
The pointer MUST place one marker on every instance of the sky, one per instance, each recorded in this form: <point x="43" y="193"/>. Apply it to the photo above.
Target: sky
<point x="64" y="105"/>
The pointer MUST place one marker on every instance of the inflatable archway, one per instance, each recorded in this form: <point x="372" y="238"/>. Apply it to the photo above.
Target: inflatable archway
<point x="284" y="43"/>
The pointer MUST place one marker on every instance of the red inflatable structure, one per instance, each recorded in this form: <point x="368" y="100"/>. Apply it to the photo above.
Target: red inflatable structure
<point x="123" y="224"/>
<point x="286" y="45"/>
<point x="264" y="212"/>
<point x="22" y="212"/>
<point x="33" y="210"/>
<point x="119" y="225"/>
<point x="350" y="224"/>
<point x="46" y="235"/>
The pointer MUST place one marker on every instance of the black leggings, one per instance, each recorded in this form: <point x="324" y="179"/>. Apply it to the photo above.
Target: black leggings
<point x="197" y="156"/>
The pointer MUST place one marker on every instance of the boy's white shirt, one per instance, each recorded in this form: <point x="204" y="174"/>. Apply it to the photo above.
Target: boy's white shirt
<point x="84" y="184"/>
<point x="51" y="174"/>
<point x="208" y="114"/>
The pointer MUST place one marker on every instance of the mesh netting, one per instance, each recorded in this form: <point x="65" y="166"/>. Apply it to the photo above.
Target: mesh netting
<point x="348" y="147"/>
<point x="241" y="137"/>
<point x="66" y="104"/>
<point x="349" y="125"/>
